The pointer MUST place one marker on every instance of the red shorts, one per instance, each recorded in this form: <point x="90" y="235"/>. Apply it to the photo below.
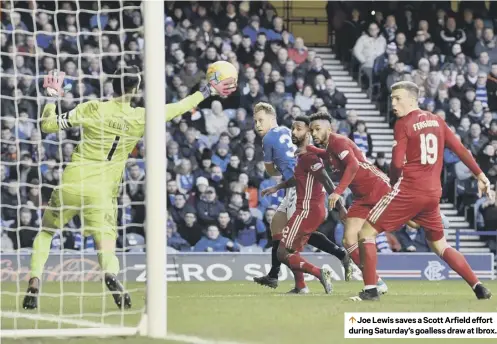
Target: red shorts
<point x="402" y="205"/>
<point x="361" y="207"/>
<point x="301" y="225"/>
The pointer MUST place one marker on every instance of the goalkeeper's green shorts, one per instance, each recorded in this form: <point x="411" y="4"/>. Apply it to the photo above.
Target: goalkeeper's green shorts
<point x="98" y="214"/>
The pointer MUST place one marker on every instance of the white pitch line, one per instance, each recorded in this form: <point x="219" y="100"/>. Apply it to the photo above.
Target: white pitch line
<point x="197" y="340"/>
<point x="129" y="331"/>
<point x="53" y="318"/>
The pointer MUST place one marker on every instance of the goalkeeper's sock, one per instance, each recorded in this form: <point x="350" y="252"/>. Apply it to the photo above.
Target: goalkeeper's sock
<point x="275" y="263"/>
<point x="108" y="262"/>
<point x="41" y="250"/>
<point x="321" y="242"/>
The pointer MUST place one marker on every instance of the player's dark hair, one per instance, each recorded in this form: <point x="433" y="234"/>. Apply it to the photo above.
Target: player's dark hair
<point x="125" y="79"/>
<point x="302" y="118"/>
<point x="321" y="115"/>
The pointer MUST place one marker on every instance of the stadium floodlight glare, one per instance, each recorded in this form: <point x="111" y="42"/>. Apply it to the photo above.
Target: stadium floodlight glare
<point x="73" y="301"/>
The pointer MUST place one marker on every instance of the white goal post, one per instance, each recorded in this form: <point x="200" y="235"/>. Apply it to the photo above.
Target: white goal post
<point x="72" y="317"/>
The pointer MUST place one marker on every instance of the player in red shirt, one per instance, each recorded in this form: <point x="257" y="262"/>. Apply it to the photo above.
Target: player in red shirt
<point x="417" y="160"/>
<point x="311" y="181"/>
<point x="367" y="183"/>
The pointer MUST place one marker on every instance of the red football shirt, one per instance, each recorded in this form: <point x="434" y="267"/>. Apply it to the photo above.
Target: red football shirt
<point x="354" y="170"/>
<point x="418" y="151"/>
<point x="310" y="192"/>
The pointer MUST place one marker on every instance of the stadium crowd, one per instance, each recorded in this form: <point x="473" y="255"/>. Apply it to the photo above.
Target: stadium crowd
<point x="215" y="169"/>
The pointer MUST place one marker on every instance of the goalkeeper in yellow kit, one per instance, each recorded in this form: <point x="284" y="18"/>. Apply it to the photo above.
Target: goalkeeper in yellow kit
<point x="90" y="183"/>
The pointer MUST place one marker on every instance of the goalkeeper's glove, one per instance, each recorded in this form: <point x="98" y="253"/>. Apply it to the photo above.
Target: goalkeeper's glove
<point x="52" y="83"/>
<point x="223" y="88"/>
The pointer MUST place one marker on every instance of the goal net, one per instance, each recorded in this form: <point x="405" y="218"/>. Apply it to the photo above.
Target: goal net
<point x="89" y="41"/>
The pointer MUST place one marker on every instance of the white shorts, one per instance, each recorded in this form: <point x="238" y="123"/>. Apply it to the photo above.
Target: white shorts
<point x="289" y="203"/>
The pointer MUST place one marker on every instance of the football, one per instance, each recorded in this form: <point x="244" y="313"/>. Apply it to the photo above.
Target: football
<point x="221" y="70"/>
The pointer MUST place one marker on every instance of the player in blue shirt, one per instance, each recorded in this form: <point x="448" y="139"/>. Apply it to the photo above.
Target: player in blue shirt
<point x="279" y="159"/>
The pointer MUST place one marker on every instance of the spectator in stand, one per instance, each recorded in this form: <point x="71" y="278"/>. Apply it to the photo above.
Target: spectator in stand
<point x="362" y="139"/>
<point x="175" y="240"/>
<point x="334" y="100"/>
<point x="476" y="113"/>
<point x="26" y="228"/>
<point x="213" y="241"/>
<point x="451" y="35"/>
<point x="216" y="120"/>
<point x="225" y="225"/>
<point x="412" y="239"/>
<point x="453" y="116"/>
<point x="135" y="189"/>
<point x="299" y="51"/>
<point x="367" y="48"/>
<point x="468" y="100"/>
<point x="475" y="141"/>
<point x="481" y="89"/>
<point x="189" y="229"/>
<point x="305" y="100"/>
<point x="459" y="89"/>
<point x="382" y="163"/>
<point x="346" y="127"/>
<point x="180" y="208"/>
<point x="250" y="231"/>
<point x="222" y="156"/>
<point x="209" y="207"/>
<point x="489" y="212"/>
<point x="488" y="44"/>
<point x="390" y="29"/>
<point x="484" y="63"/>
<point x="464" y="127"/>
<point x="492" y="87"/>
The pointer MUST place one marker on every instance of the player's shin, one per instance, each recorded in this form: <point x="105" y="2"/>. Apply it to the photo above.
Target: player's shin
<point x="296" y="262"/>
<point x="275" y="263"/>
<point x="369" y="258"/>
<point x="459" y="264"/>
<point x="41" y="250"/>
<point x="106" y="245"/>
<point x="321" y="242"/>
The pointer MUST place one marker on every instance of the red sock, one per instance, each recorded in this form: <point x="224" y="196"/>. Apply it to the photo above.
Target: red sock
<point x="369" y="259"/>
<point x="297" y="263"/>
<point x="299" y="279"/>
<point x="459" y="264"/>
<point x="355" y="256"/>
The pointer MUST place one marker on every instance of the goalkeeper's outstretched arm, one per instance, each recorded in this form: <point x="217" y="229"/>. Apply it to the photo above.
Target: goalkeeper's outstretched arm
<point x="177" y="109"/>
<point x="223" y="88"/>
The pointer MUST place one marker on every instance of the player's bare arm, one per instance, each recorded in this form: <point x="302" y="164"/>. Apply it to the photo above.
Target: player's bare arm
<point x="290" y="183"/>
<point x="329" y="186"/>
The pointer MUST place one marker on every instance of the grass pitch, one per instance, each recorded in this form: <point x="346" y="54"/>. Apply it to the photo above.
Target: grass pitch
<point x="244" y="312"/>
